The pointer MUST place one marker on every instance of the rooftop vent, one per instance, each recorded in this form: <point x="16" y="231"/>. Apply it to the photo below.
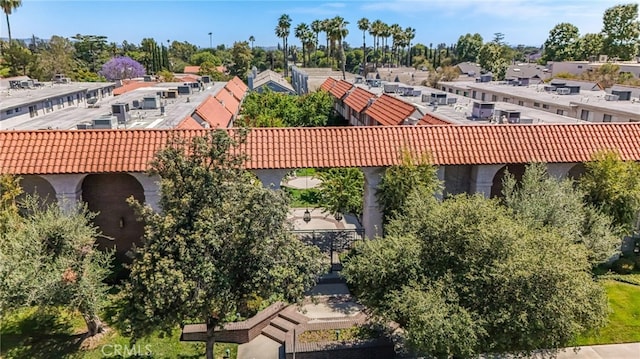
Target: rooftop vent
<point x="563" y="91"/>
<point x="611" y="97"/>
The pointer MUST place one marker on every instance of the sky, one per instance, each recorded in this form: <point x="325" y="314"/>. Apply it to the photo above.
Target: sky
<point x="524" y="22"/>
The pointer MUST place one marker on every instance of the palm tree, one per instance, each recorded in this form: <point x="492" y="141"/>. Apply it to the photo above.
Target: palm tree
<point x="410" y="34"/>
<point x="282" y="31"/>
<point x="316" y="27"/>
<point x="363" y="25"/>
<point x="326" y="27"/>
<point x="338" y="32"/>
<point x="385" y="33"/>
<point x="376" y="30"/>
<point x="396" y="35"/>
<point x="8" y="6"/>
<point x="302" y="33"/>
<point x="251" y="40"/>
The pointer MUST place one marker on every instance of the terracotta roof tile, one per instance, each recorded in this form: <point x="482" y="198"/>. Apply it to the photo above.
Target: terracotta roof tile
<point x="228" y="101"/>
<point x="358" y="99"/>
<point x="429" y="119"/>
<point x="214" y="113"/>
<point x="389" y="111"/>
<point x="235" y="89"/>
<point x="328" y="84"/>
<point x="236" y="80"/>
<point x="130" y="86"/>
<point x="340" y="88"/>
<point x="97" y="151"/>
<point x="191" y="70"/>
<point x="189" y="124"/>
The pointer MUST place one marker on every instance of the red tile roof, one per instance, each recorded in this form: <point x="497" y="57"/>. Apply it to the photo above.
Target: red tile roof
<point x="389" y="111"/>
<point x="187" y="78"/>
<point x="229" y="102"/>
<point x="191" y="70"/>
<point x="236" y="80"/>
<point x="340" y="89"/>
<point x="130" y="86"/>
<point x="189" y="124"/>
<point x="237" y="92"/>
<point x="212" y="111"/>
<point x="328" y="84"/>
<point x="429" y="119"/>
<point x="99" y="151"/>
<point x="358" y="99"/>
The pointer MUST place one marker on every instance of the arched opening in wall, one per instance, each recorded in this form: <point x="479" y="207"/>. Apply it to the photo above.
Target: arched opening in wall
<point x="576" y="171"/>
<point x="457" y="179"/>
<point x="106" y="194"/>
<point x="517" y="170"/>
<point x="38" y="186"/>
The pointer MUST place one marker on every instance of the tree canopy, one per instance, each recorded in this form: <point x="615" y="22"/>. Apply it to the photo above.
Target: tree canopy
<point x="49" y="257"/>
<point x="120" y="68"/>
<point x="465" y="276"/>
<point x="219" y="247"/>
<point x="273" y="109"/>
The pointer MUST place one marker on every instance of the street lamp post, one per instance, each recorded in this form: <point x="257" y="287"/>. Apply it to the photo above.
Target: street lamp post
<point x="210" y="40"/>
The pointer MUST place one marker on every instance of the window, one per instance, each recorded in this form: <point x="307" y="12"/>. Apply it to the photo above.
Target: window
<point x="494" y="98"/>
<point x="33" y="111"/>
<point x="506" y="99"/>
<point x="606" y="118"/>
<point x="520" y="103"/>
<point x="536" y="104"/>
<point x="18" y="109"/>
<point x="579" y="66"/>
<point x="9" y="112"/>
<point x="584" y="115"/>
<point x="474" y="94"/>
<point x="560" y="112"/>
<point x="545" y="106"/>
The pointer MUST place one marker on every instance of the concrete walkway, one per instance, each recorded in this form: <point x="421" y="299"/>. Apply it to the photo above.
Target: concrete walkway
<point x="303" y="182"/>
<point x="611" y="351"/>
<point x="261" y="347"/>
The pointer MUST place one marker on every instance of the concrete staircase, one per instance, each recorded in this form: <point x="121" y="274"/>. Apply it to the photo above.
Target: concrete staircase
<point x="284" y="324"/>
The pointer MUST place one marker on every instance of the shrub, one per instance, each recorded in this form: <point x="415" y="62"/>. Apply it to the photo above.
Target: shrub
<point x="623" y="265"/>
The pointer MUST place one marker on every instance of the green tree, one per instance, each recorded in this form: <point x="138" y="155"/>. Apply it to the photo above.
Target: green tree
<point x="49" y="258"/>
<point x="303" y="33"/>
<point x="562" y="43"/>
<point x="241" y="57"/>
<point x="56" y="58"/>
<point x="589" y="45"/>
<point x="220" y="242"/>
<point x="201" y="57"/>
<point x="341" y="190"/>
<point x="621" y="30"/>
<point x="182" y="50"/>
<point x="17" y="58"/>
<point x="548" y="202"/>
<point x="337" y="32"/>
<point x="7" y="7"/>
<point x="613" y="186"/>
<point x="398" y="181"/>
<point x="463" y="277"/>
<point x="91" y="50"/>
<point x="273" y="109"/>
<point x="468" y="47"/>
<point x="364" y="26"/>
<point x="282" y="31"/>
<point x="492" y="58"/>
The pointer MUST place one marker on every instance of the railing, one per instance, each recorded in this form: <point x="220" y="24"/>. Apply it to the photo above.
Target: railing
<point x="332" y="241"/>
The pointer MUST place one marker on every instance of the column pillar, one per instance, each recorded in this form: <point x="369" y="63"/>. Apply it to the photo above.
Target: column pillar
<point x="482" y="178"/>
<point x="151" y="187"/>
<point x="440" y="174"/>
<point x="271" y="178"/>
<point x="559" y="170"/>
<point x="68" y="189"/>
<point x="371" y="214"/>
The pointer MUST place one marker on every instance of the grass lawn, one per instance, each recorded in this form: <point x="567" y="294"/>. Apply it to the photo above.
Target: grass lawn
<point x="302" y="197"/>
<point x="624" y="320"/>
<point x="51" y="333"/>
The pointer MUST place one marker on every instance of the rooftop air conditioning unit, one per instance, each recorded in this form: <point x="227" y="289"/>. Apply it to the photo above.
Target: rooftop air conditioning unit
<point x="611" y="97"/>
<point x="563" y="91"/>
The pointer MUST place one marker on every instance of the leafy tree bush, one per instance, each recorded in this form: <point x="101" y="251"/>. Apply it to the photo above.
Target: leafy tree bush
<point x="341" y="190"/>
<point x="613" y="186"/>
<point x="49" y="258"/>
<point x="547" y="202"/>
<point x="122" y="67"/>
<point x="273" y="109"/>
<point x="464" y="277"/>
<point x="219" y="246"/>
